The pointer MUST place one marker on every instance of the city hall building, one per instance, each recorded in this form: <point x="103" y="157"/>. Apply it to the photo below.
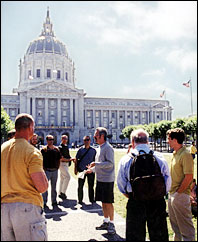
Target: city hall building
<point x="47" y="91"/>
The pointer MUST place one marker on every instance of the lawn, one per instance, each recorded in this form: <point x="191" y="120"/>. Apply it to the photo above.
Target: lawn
<point x="121" y="201"/>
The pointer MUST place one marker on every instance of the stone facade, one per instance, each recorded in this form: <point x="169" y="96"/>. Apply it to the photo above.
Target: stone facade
<point x="47" y="91"/>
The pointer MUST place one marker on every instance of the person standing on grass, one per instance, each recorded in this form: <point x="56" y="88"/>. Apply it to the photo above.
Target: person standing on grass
<point x="193" y="149"/>
<point x="141" y="211"/>
<point x="105" y="176"/>
<point x="179" y="205"/>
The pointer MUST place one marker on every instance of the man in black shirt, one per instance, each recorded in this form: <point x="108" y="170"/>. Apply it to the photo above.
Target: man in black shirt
<point x="51" y="163"/>
<point x="65" y="162"/>
<point x="85" y="156"/>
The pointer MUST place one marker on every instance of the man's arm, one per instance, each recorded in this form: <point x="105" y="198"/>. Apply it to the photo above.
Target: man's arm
<point x="40" y="181"/>
<point x="185" y="183"/>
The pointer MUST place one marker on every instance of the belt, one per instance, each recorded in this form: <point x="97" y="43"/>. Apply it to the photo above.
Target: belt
<point x="51" y="169"/>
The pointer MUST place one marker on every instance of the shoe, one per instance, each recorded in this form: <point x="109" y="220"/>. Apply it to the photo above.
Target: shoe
<point x="45" y="207"/>
<point x="62" y="196"/>
<point x="55" y="204"/>
<point x="81" y="203"/>
<point x="103" y="226"/>
<point x="111" y="228"/>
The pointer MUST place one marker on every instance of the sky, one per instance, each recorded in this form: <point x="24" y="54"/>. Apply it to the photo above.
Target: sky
<point x="121" y="49"/>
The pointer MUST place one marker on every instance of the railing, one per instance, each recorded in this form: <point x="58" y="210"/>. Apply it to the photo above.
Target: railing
<point x="54" y="127"/>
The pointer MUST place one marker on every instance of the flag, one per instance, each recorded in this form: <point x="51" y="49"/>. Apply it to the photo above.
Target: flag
<point x="187" y="84"/>
<point x="162" y="94"/>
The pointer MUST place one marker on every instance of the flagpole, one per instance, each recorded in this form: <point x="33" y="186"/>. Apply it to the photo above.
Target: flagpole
<point x="191" y="96"/>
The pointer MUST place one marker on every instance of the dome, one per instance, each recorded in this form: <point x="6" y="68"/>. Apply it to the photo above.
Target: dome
<point x="47" y="42"/>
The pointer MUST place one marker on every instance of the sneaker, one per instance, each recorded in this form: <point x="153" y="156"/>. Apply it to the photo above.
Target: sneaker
<point x="111" y="228"/>
<point x="62" y="196"/>
<point x="103" y="226"/>
<point x="55" y="204"/>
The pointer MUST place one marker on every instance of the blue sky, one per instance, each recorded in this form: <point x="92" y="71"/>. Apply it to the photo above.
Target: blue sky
<point x="122" y="49"/>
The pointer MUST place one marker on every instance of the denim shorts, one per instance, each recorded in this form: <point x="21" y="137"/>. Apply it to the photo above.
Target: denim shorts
<point x="104" y="192"/>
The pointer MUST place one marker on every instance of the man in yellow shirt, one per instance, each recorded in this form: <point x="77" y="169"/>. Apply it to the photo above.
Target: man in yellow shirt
<point x="182" y="175"/>
<point x="22" y="181"/>
<point x="193" y="150"/>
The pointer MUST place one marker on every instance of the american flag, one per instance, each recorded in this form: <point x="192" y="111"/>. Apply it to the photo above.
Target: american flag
<point x="162" y="94"/>
<point x="187" y="84"/>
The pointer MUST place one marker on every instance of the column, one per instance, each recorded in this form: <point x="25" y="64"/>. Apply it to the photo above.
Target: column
<point x="28" y="105"/>
<point x="110" y="118"/>
<point x="118" y="126"/>
<point x="34" y="108"/>
<point x="46" y="111"/>
<point x="59" y="111"/>
<point x="102" y="118"/>
<point x="94" y="118"/>
<point x="76" y="111"/>
<point x="140" y="117"/>
<point x="132" y="117"/>
<point x="71" y="112"/>
<point x="125" y="118"/>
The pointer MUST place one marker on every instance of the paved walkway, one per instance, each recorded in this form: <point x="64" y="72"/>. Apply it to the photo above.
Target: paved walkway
<point x="73" y="222"/>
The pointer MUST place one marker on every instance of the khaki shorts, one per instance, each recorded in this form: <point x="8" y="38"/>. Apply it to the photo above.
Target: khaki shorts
<point x="22" y="222"/>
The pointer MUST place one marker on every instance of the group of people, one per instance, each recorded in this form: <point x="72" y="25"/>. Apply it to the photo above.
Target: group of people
<point x="26" y="172"/>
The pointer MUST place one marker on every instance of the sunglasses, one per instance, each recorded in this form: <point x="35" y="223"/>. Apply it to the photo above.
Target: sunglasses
<point x="65" y="138"/>
<point x="86" y="139"/>
<point x="50" y="139"/>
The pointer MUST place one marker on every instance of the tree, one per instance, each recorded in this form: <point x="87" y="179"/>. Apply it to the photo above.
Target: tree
<point x="6" y="124"/>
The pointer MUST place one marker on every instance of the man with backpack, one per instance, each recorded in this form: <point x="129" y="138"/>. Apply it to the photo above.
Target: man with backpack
<point x="144" y="178"/>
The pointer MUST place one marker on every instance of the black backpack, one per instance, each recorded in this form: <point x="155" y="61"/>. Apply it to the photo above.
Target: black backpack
<point x="146" y="178"/>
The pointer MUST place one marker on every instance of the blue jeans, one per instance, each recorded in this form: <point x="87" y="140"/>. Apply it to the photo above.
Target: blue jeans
<point x="51" y="176"/>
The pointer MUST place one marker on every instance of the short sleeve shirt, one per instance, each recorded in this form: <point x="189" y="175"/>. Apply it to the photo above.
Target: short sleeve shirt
<point x="181" y="164"/>
<point x="19" y="159"/>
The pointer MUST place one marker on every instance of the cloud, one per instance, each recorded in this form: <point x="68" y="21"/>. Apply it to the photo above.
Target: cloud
<point x="157" y="72"/>
<point x="184" y="60"/>
<point x="133" y="24"/>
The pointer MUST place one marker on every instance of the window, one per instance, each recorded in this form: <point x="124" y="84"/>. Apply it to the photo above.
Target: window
<point x="88" y="113"/>
<point x="39" y="113"/>
<point x="113" y="115"/>
<point x="64" y="123"/>
<point x="66" y="76"/>
<point x="13" y="112"/>
<point x="38" y="73"/>
<point x="48" y="73"/>
<point x="64" y="113"/>
<point x="97" y="123"/>
<point x="52" y="112"/>
<point x="40" y="102"/>
<point x="105" y="114"/>
<point x="40" y="121"/>
<point x="58" y="74"/>
<point x="97" y="114"/>
<point x="105" y="123"/>
<point x="52" y="103"/>
<point x="29" y="73"/>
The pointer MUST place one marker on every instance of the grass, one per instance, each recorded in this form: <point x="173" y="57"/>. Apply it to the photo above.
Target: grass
<point x="121" y="201"/>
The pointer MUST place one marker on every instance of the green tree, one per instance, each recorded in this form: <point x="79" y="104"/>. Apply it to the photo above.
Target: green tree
<point x="6" y="124"/>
